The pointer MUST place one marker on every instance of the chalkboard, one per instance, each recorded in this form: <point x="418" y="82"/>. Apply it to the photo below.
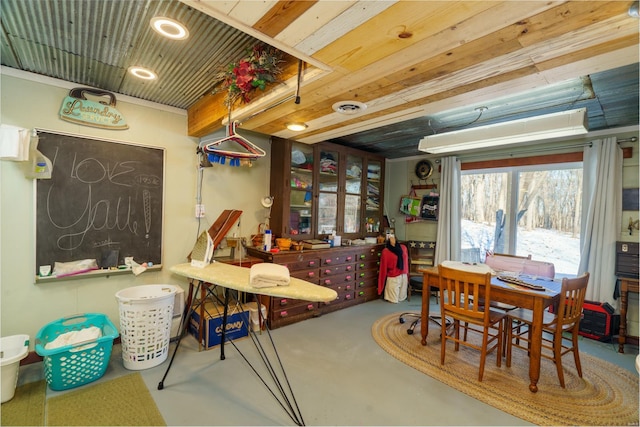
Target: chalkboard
<point x="104" y="200"/>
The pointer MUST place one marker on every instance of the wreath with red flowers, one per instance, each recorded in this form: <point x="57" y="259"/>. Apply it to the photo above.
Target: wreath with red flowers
<point x="255" y="71"/>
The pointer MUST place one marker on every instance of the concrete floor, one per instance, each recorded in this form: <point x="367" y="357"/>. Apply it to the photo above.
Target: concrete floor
<point x="340" y="376"/>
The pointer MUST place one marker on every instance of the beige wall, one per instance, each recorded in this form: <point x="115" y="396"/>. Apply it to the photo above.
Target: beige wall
<point x="26" y="306"/>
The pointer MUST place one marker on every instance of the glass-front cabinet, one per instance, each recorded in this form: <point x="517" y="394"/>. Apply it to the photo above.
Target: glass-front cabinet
<point x="373" y="201"/>
<point x="322" y="188"/>
<point x="328" y="191"/>
<point x="353" y="195"/>
<point x="301" y="190"/>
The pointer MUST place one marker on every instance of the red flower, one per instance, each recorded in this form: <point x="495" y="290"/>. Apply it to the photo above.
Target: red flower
<point x="244" y="76"/>
<point x="250" y="73"/>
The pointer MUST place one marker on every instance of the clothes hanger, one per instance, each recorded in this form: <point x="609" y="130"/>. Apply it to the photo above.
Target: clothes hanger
<point x="253" y="151"/>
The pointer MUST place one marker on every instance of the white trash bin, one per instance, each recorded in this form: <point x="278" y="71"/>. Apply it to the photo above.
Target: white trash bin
<point x="12" y="350"/>
<point x="146" y="313"/>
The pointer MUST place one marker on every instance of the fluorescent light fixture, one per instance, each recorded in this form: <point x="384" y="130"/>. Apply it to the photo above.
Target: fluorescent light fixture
<point x="540" y="128"/>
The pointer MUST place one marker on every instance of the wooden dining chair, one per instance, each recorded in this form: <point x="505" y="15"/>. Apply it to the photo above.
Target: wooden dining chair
<point x="457" y="289"/>
<point x="565" y="320"/>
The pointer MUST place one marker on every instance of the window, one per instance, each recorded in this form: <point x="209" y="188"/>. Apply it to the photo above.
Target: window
<point x="526" y="210"/>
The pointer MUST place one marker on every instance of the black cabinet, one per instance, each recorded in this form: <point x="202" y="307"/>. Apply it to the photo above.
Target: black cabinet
<point x="627" y="259"/>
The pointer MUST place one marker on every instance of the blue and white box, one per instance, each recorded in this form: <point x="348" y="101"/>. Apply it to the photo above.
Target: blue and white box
<point x="237" y="324"/>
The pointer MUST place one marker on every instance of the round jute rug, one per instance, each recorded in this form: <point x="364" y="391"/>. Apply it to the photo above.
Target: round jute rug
<point x="606" y="395"/>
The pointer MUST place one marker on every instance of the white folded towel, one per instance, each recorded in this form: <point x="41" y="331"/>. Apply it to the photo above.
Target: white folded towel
<point x="265" y="274"/>
<point x="91" y="333"/>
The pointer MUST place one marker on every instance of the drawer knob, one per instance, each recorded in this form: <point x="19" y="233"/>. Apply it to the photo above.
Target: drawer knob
<point x="310" y="307"/>
<point x="311" y="274"/>
<point x="348" y="278"/>
<point x="312" y="263"/>
<point x="348" y="268"/>
<point x="348" y="258"/>
<point x="327" y="261"/>
<point x="283" y="314"/>
<point x="327" y="282"/>
<point x="284" y="301"/>
<point x="327" y="271"/>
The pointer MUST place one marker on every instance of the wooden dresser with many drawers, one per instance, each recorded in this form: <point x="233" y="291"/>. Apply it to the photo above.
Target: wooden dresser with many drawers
<point x="352" y="271"/>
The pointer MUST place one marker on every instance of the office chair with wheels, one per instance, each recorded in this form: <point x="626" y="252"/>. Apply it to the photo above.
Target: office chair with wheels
<point x="415" y="286"/>
<point x="416" y="282"/>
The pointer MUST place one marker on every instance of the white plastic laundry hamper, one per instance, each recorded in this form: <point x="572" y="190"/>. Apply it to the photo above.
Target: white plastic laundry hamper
<point x="145" y="324"/>
<point x="12" y="350"/>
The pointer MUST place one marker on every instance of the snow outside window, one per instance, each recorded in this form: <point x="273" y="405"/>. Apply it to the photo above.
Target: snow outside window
<point x="532" y="210"/>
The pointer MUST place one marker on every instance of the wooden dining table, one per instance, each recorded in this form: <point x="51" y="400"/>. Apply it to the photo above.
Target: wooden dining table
<point x="536" y="301"/>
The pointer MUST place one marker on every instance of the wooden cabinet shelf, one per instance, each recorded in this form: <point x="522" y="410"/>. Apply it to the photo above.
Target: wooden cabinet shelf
<point x="421" y="254"/>
<point x="322" y="188"/>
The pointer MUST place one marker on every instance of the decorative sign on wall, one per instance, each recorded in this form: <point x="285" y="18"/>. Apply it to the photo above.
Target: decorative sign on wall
<point x="76" y="108"/>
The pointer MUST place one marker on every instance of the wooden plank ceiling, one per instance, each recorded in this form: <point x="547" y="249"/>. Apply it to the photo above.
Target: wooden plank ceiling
<point x="410" y="59"/>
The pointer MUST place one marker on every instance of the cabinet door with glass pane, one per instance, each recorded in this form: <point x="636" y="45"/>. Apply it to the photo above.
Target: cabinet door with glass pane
<point x="373" y="205"/>
<point x="328" y="187"/>
<point x="352" y="219"/>
<point x="301" y="191"/>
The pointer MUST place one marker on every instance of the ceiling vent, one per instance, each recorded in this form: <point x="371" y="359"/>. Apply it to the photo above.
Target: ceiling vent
<point x="349" y="107"/>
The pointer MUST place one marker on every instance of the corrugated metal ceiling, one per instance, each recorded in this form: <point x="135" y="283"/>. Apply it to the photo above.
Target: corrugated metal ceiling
<point x="52" y="38"/>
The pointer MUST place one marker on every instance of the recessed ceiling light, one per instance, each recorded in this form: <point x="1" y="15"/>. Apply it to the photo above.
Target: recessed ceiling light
<point x="349" y="107"/>
<point x="143" y="73"/>
<point x="169" y="28"/>
<point x="297" y="127"/>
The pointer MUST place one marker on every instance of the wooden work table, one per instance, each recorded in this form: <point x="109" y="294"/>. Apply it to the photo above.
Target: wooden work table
<point x="534" y="300"/>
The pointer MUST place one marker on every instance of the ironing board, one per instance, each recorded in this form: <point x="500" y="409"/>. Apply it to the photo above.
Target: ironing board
<point x="237" y="278"/>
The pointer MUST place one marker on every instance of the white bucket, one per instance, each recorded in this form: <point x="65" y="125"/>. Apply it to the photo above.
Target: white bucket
<point x="12" y="350"/>
<point x="254" y="317"/>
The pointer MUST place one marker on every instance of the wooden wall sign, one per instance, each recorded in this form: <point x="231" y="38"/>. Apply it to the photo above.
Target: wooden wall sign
<point x="76" y="108"/>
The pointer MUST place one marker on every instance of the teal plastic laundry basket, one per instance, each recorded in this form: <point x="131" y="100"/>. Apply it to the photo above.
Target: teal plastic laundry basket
<point x="78" y="364"/>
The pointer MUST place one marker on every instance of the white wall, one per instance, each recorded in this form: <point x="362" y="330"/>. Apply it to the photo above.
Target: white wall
<point x="33" y="102"/>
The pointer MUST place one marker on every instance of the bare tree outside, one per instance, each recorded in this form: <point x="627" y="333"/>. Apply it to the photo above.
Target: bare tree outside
<point x="548" y="213"/>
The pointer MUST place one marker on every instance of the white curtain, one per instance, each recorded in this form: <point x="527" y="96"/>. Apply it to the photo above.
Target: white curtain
<point x="601" y="209"/>
<point x="448" y="237"/>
